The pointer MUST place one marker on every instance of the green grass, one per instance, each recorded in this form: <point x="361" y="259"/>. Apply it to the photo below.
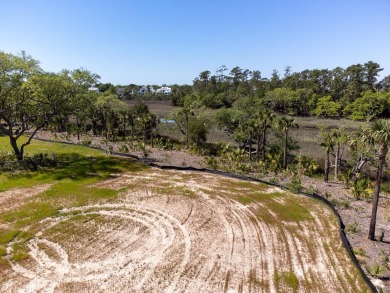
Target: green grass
<point x="292" y="211"/>
<point x="289" y="278"/>
<point x="19" y="251"/>
<point x="73" y="162"/>
<point x="76" y="170"/>
<point x="7" y="236"/>
<point x="38" y="146"/>
<point x="257" y="196"/>
<point x="2" y="251"/>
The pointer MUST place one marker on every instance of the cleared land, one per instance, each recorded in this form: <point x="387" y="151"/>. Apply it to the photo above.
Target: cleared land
<point x="168" y="231"/>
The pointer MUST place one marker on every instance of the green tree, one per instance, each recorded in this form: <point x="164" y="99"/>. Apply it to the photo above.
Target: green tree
<point x="340" y="138"/>
<point x="284" y="124"/>
<point x="39" y="100"/>
<point x="188" y="118"/>
<point x="263" y="120"/>
<point x="82" y="97"/>
<point x="326" y="107"/>
<point x="282" y="100"/>
<point x="15" y="105"/>
<point x="369" y="106"/>
<point x="109" y="107"/>
<point x="230" y="121"/>
<point x="328" y="145"/>
<point x="377" y="134"/>
<point x="372" y="70"/>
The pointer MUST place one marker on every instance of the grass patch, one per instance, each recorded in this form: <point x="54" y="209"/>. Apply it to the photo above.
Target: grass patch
<point x="235" y="186"/>
<point x="73" y="226"/>
<point x="288" y="211"/>
<point x="3" y="251"/>
<point x="256" y="196"/>
<point x="71" y="193"/>
<point x="8" y="236"/>
<point x="77" y="169"/>
<point x="19" y="252"/>
<point x="30" y="213"/>
<point x="73" y="161"/>
<point x="291" y="280"/>
<point x="169" y="189"/>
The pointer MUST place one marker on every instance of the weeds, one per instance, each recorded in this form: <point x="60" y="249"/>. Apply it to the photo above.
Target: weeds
<point x="124" y="148"/>
<point x="376" y="270"/>
<point x="19" y="252"/>
<point x="352" y="228"/>
<point x="328" y="195"/>
<point x="289" y="278"/>
<point x="382" y="236"/>
<point x="361" y="187"/>
<point x="312" y="190"/>
<point x="360" y="252"/>
<point x="343" y="204"/>
<point x="212" y="162"/>
<point x="385" y="259"/>
<point x="295" y="185"/>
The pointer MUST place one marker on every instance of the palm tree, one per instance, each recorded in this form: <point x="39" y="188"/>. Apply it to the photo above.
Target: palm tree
<point x="284" y="124"/>
<point x="378" y="134"/>
<point x="263" y="120"/>
<point x="328" y="145"/>
<point x="340" y="137"/>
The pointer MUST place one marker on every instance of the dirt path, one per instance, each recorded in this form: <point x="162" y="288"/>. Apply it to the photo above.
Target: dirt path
<point x="187" y="232"/>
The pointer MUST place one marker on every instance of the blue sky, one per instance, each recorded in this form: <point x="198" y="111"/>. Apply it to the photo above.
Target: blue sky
<point x="172" y="41"/>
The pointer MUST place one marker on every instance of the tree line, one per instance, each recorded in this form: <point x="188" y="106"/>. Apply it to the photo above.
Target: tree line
<point x="32" y="99"/>
<point x="354" y="92"/>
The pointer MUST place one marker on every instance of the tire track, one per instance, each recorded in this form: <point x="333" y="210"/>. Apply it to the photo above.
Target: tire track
<point x="211" y="242"/>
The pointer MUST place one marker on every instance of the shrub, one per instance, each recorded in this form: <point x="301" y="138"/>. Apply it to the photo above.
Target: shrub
<point x="342" y="203"/>
<point x="295" y="185"/>
<point x="124" y="148"/>
<point x="86" y="141"/>
<point x="361" y="187"/>
<point x="376" y="270"/>
<point x="353" y="227"/>
<point x="212" y="162"/>
<point x="359" y="251"/>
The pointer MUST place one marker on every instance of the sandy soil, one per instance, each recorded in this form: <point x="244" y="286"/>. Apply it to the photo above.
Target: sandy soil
<point x="356" y="214"/>
<point x="187" y="233"/>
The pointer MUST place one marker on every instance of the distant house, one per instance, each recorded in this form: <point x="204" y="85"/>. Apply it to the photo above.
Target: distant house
<point x="120" y="90"/>
<point x="164" y="90"/>
<point x="146" y="90"/>
<point x="143" y="90"/>
<point x="94" y="89"/>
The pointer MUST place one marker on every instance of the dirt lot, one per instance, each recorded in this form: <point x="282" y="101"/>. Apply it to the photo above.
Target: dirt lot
<point x="172" y="231"/>
<point x="354" y="213"/>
